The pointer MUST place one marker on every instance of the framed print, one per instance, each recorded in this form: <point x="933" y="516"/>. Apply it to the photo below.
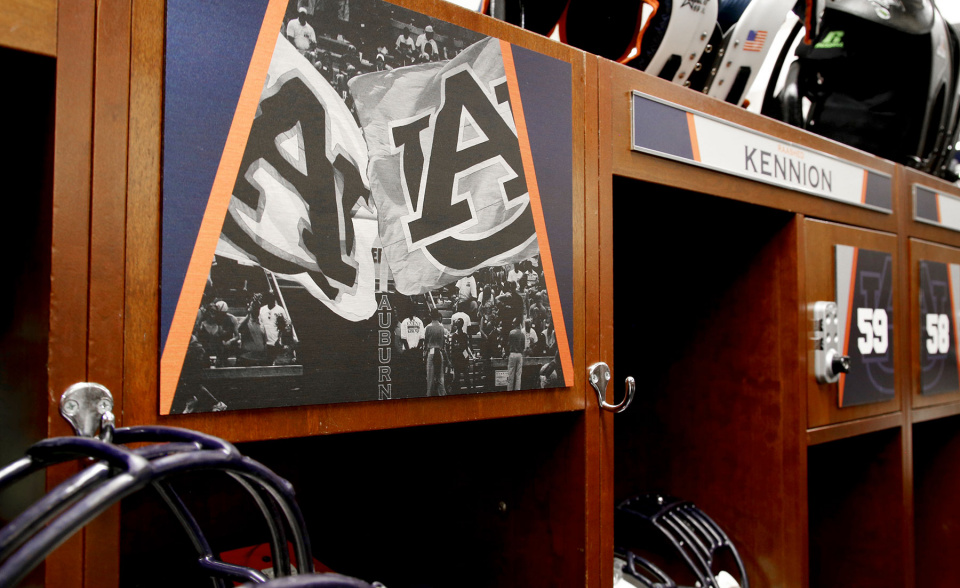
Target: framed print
<point x="360" y="202"/>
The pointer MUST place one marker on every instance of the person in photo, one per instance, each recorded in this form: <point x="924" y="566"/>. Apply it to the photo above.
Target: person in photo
<point x="435" y="340"/>
<point x="300" y="33"/>
<point x="518" y="343"/>
<point x="460" y="355"/>
<point x="217" y="332"/>
<point x="411" y="332"/>
<point x="551" y="369"/>
<point x="274" y="319"/>
<point x="467" y="295"/>
<point x="531" y="340"/>
<point x="427" y="45"/>
<point x="514" y="274"/>
<point x="253" y="344"/>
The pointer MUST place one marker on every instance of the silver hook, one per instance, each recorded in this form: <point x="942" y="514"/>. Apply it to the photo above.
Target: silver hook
<point x="599" y="376"/>
<point x="88" y="408"/>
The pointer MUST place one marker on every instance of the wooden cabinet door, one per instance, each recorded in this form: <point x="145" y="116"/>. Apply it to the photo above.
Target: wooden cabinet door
<point x="934" y="271"/>
<point x="858" y="270"/>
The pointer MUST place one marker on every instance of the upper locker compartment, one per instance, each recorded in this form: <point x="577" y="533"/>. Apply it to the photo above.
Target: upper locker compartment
<point x="663" y="134"/>
<point x="934" y="238"/>
<point x="389" y="165"/>
<point x="332" y="180"/>
<point x="706" y="216"/>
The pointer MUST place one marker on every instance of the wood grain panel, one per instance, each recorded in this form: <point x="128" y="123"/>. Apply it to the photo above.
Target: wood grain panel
<point x="793" y="366"/>
<point x="907" y="502"/>
<point x="932" y="413"/>
<point x="107" y="259"/>
<point x="904" y="378"/>
<point x="29" y="25"/>
<point x="819" y="265"/>
<point x="69" y="252"/>
<point x="108" y="205"/>
<point x="142" y="245"/>
<point x="625" y="80"/>
<point x="605" y="331"/>
<point x="844" y="430"/>
<point x="599" y="438"/>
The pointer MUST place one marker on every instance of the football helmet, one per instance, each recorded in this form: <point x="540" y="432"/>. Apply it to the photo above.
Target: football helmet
<point x="681" y="537"/>
<point x="881" y="76"/>
<point x="711" y="45"/>
<point x="118" y="471"/>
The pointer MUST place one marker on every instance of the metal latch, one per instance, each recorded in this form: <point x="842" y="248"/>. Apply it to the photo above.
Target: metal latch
<point x="829" y="361"/>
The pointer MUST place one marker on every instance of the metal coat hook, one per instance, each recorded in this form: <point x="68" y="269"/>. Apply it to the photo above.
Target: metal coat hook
<point x="88" y="408"/>
<point x="599" y="376"/>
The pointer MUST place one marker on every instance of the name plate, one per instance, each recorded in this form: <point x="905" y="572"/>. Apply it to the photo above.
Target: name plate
<point x="936" y="208"/>
<point x="674" y="132"/>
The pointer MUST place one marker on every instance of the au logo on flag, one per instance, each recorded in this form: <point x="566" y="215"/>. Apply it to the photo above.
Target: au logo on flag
<point x="460" y="200"/>
<point x="441" y="206"/>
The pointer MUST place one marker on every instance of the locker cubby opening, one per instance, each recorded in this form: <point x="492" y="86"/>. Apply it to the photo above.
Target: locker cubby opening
<point x="856" y="498"/>
<point x="489" y="503"/>
<point x="936" y="485"/>
<point x="705" y="318"/>
<point x="27" y="146"/>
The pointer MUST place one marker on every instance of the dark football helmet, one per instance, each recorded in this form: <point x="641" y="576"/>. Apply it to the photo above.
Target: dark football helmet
<point x="117" y="471"/>
<point x="881" y="76"/>
<point x="680" y="537"/>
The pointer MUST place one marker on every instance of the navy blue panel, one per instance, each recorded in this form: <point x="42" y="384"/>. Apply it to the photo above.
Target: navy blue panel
<point x="938" y="369"/>
<point x="547" y="98"/>
<point x="879" y="191"/>
<point x="662" y="128"/>
<point x="871" y="377"/>
<point x="209" y="46"/>
<point x="926" y="205"/>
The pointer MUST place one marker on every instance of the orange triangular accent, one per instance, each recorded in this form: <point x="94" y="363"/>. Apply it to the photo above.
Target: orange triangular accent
<point x="184" y="317"/>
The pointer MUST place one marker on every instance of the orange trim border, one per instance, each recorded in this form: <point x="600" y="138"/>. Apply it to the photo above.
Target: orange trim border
<point x="526" y="155"/>
<point x="846" y="337"/>
<point x="953" y="320"/>
<point x="694" y="144"/>
<point x="178" y="338"/>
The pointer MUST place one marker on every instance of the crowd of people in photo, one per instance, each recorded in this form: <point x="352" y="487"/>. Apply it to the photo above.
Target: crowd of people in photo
<point x="499" y="313"/>
<point x="340" y="47"/>
<point x="475" y="335"/>
<point x="261" y="334"/>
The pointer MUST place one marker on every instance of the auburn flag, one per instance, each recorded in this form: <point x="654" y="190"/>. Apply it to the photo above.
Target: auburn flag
<point x="302" y="194"/>
<point x="445" y="168"/>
